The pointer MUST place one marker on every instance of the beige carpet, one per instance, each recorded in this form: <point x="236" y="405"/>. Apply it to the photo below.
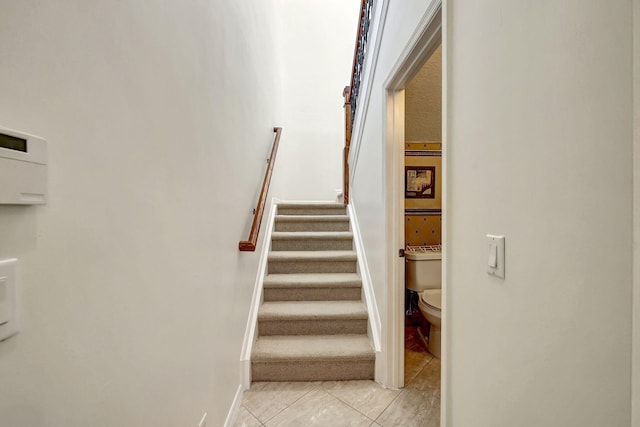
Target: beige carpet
<point x="312" y="325"/>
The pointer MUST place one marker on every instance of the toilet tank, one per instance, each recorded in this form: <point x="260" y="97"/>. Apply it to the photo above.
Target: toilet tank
<point x="423" y="268"/>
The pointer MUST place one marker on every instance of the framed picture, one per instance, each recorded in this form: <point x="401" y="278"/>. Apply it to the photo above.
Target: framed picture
<point x="420" y="182"/>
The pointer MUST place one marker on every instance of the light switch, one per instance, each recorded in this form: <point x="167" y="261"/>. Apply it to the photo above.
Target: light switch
<point x="495" y="265"/>
<point x="8" y="298"/>
<point x="493" y="255"/>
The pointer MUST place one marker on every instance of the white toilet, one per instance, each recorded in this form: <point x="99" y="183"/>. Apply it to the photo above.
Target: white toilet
<point x="424" y="275"/>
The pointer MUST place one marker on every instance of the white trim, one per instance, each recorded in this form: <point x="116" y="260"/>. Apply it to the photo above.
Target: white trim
<point x="394" y="206"/>
<point x="250" y="331"/>
<point x="445" y="343"/>
<point x="235" y="406"/>
<point x="422" y="43"/>
<point x="369" y="67"/>
<point x="367" y="284"/>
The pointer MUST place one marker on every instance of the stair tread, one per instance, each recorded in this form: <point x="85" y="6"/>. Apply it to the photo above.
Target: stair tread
<point x="312" y="310"/>
<point x="310" y="205"/>
<point x="301" y="335"/>
<point x="317" y="218"/>
<point x="312" y="280"/>
<point x="312" y="255"/>
<point x="312" y="348"/>
<point x="302" y="235"/>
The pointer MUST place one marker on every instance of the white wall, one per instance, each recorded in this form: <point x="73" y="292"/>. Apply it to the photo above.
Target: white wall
<point x="134" y="296"/>
<point x="368" y="173"/>
<point x="316" y="40"/>
<point x="635" y="362"/>
<point x="539" y="149"/>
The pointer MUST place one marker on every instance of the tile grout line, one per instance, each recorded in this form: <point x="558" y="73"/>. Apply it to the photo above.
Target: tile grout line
<point x="247" y="409"/>
<point x="390" y="403"/>
<point x="414" y="376"/>
<point x="402" y="390"/>
<point x="288" y="406"/>
<point x="420" y="371"/>
<point x="357" y="410"/>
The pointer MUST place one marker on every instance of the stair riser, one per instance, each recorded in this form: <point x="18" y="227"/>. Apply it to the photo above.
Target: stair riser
<point x="307" y="210"/>
<point x="312" y="294"/>
<point x="311" y="225"/>
<point x="292" y="267"/>
<point x="312" y="327"/>
<point x="336" y="370"/>
<point x="312" y="245"/>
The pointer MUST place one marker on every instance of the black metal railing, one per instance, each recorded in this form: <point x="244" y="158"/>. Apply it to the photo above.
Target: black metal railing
<point x="359" y="55"/>
<point x="352" y="92"/>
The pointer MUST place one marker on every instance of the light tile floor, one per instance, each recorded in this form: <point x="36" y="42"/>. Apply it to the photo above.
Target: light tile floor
<point x="350" y="403"/>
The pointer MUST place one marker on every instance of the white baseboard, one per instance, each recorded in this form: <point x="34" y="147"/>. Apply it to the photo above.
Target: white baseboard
<point x="235" y="406"/>
<point x="375" y="326"/>
<point x="250" y="331"/>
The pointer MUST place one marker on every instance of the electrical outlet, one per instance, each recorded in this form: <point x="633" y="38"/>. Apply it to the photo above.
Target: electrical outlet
<point x="203" y="421"/>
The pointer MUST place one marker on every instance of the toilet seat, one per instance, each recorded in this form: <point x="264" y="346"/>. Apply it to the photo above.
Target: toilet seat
<point x="432" y="298"/>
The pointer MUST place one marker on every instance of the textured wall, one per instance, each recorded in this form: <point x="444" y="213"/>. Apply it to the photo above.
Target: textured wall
<point x="423" y="122"/>
<point x="423" y="218"/>
<point x="423" y="102"/>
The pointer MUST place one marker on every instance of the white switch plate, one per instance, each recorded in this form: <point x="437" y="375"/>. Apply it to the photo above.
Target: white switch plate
<point x="8" y="298"/>
<point x="495" y="255"/>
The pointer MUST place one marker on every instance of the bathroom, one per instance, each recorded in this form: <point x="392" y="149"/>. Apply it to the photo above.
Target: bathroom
<point x="423" y="225"/>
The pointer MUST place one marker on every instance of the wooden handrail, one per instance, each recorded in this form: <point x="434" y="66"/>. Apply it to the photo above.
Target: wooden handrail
<point x="346" y="93"/>
<point x="250" y="244"/>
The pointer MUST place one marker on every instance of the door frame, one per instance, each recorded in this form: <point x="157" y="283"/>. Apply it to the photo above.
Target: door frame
<point x="428" y="35"/>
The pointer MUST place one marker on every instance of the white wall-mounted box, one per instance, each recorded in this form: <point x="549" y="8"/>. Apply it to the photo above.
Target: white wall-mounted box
<point x="23" y="168"/>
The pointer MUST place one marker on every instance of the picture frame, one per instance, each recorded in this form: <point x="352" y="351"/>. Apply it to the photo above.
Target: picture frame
<point x="420" y="182"/>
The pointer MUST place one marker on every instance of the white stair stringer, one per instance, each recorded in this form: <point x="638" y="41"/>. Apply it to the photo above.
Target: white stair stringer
<point x="250" y="334"/>
<point x="375" y="324"/>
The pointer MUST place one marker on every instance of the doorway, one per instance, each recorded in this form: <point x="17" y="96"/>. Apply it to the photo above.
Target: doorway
<point x="424" y="43"/>
<point x="422" y="225"/>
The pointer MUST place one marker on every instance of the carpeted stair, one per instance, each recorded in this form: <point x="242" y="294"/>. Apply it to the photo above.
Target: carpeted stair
<point x="312" y="324"/>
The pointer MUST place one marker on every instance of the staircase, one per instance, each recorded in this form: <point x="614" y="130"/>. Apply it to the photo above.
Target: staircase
<point x="312" y="324"/>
